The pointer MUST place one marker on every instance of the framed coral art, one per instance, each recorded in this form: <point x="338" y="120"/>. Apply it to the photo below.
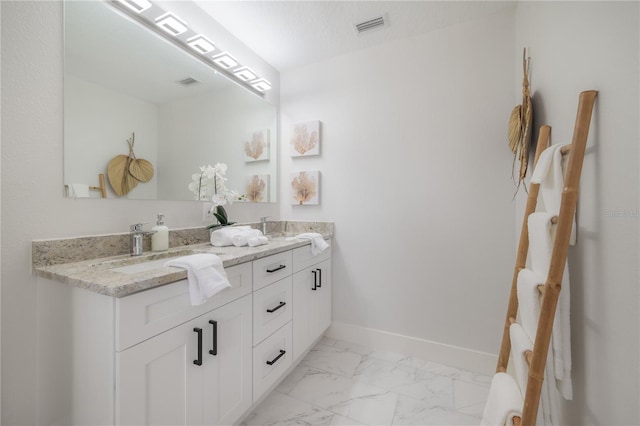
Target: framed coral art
<point x="256" y="146"/>
<point x="257" y="189"/>
<point x="305" y="188"/>
<point x="305" y="139"/>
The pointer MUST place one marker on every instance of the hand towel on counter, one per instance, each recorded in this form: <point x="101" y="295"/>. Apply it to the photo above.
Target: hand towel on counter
<point x="242" y="238"/>
<point x="222" y="237"/>
<point x="318" y="244"/>
<point x="504" y="402"/>
<point x="205" y="275"/>
<point x="79" y="190"/>
<point x="540" y="249"/>
<point x="549" y="174"/>
<point x="257" y="241"/>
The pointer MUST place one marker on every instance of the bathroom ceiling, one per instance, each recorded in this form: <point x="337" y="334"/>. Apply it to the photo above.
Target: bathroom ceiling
<point x="291" y="34"/>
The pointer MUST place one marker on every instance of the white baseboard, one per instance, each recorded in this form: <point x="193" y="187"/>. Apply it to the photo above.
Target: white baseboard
<point x="454" y="356"/>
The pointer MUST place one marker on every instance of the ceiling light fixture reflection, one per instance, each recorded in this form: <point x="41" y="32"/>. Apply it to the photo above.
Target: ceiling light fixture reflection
<point x="171" y="24"/>
<point x="225" y="60"/>
<point x="245" y="74"/>
<point x="261" y="85"/>
<point x="138" y="6"/>
<point x="201" y="44"/>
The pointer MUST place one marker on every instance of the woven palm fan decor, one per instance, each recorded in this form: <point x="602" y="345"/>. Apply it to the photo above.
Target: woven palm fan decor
<point x="126" y="171"/>
<point x="520" y="126"/>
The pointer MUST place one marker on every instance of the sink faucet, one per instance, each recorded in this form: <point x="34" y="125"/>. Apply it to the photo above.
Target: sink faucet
<point x="264" y="222"/>
<point x="136" y="238"/>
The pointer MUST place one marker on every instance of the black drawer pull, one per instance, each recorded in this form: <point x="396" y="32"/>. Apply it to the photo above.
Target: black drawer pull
<point x="214" y="347"/>
<point x="315" y="280"/>
<point x="277" y="307"/>
<point x="319" y="277"/>
<point x="199" y="360"/>
<point x="276" y="269"/>
<point x="273" y="361"/>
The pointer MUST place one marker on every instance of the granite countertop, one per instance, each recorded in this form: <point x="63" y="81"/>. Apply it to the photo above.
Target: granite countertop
<point x="98" y="275"/>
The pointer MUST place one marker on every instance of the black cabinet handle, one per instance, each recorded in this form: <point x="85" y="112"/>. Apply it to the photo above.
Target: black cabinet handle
<point x="315" y="280"/>
<point x="214" y="346"/>
<point x="276" y="308"/>
<point x="199" y="360"/>
<point x="273" y="361"/>
<point x="319" y="277"/>
<point x="276" y="269"/>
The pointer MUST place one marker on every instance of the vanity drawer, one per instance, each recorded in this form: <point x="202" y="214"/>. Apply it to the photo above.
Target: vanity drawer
<point x="302" y="257"/>
<point x="271" y="308"/>
<point x="148" y="313"/>
<point x="271" y="359"/>
<point x="271" y="269"/>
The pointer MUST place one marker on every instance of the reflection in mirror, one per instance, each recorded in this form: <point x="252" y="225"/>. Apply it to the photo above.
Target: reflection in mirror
<point x="121" y="80"/>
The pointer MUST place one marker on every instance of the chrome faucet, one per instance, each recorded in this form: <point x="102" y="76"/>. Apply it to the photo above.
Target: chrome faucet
<point x="136" y="235"/>
<point x="264" y="222"/>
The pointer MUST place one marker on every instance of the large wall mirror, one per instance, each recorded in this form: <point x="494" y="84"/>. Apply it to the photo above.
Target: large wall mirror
<point x="122" y="80"/>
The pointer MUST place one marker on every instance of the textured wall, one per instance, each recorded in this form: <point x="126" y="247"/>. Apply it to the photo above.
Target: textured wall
<point x="416" y="173"/>
<point x="578" y="46"/>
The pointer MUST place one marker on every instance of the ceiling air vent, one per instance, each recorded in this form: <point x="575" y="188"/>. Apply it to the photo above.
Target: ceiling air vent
<point x="371" y="24"/>
<point x="188" y="81"/>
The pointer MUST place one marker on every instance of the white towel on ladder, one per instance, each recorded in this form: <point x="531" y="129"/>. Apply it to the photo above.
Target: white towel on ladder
<point x="540" y="248"/>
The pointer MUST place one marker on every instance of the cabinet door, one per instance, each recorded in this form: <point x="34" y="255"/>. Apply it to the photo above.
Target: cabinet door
<point x="320" y="301"/>
<point x="227" y="374"/>
<point x="311" y="305"/>
<point x="157" y="382"/>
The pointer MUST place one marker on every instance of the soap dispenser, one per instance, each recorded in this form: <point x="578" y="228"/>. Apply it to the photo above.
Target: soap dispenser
<point x="160" y="239"/>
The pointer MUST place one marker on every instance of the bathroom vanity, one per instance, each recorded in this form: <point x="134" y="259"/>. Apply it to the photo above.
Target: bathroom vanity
<point x="120" y="343"/>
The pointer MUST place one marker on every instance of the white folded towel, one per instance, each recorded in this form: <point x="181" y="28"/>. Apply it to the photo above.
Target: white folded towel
<point x="529" y="301"/>
<point x="549" y="173"/>
<point x="504" y="402"/>
<point x="318" y="244"/>
<point x="242" y="238"/>
<point x="79" y="190"/>
<point x="222" y="237"/>
<point x="520" y="344"/>
<point x="258" y="241"/>
<point x="540" y="248"/>
<point x="205" y="274"/>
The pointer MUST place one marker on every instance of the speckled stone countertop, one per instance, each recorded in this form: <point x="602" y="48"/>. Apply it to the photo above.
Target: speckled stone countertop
<point x="97" y="274"/>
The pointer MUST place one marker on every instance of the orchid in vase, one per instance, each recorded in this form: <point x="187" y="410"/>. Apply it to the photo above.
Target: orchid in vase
<point x="210" y="184"/>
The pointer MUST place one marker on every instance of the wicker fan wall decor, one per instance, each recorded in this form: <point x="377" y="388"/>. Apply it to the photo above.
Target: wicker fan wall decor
<point x="520" y="126"/>
<point x="126" y="171"/>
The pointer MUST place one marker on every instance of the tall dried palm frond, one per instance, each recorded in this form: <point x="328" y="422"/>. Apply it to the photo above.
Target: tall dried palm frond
<point x="520" y="126"/>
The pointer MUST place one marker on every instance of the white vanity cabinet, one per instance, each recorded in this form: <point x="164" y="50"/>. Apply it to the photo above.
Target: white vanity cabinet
<point x="311" y="297"/>
<point x="152" y="358"/>
<point x="198" y="373"/>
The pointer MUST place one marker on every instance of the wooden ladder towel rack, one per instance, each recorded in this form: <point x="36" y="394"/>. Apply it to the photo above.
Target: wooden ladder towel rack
<point x="553" y="284"/>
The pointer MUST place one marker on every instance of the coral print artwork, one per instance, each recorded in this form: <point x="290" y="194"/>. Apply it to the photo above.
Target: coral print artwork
<point x="305" y="188"/>
<point x="257" y="190"/>
<point x="305" y="140"/>
<point x="256" y="146"/>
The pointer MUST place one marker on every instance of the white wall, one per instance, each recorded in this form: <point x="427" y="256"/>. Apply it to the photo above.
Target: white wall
<point x="578" y="46"/>
<point x="416" y="174"/>
<point x="98" y="122"/>
<point x="32" y="204"/>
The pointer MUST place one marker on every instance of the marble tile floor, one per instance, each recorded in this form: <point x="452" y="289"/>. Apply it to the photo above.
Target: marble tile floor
<point x="340" y="383"/>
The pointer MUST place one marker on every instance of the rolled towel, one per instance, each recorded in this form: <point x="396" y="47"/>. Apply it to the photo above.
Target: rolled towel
<point x="241" y="239"/>
<point x="258" y="241"/>
<point x="504" y="402"/>
<point x="205" y="275"/>
<point x="222" y="237"/>
<point x="318" y="244"/>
